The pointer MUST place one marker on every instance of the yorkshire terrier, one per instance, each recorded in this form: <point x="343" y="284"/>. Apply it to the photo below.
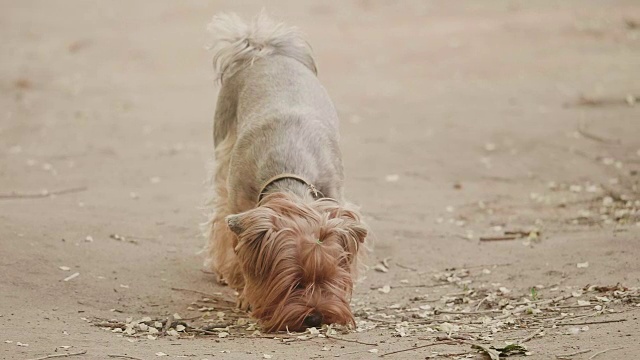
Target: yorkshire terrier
<point x="280" y="232"/>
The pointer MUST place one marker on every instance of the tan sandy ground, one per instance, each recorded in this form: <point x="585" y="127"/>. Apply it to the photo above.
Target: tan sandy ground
<point x="460" y="120"/>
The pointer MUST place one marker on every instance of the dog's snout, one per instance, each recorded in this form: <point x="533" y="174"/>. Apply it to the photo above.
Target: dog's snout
<point x="313" y="320"/>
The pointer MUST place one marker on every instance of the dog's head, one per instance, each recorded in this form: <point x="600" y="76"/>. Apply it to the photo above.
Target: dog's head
<point x="298" y="260"/>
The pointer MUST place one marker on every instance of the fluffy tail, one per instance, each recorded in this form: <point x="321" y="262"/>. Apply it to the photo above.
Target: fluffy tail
<point x="237" y="43"/>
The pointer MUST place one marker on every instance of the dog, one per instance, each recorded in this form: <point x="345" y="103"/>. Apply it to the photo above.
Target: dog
<point x="280" y="232"/>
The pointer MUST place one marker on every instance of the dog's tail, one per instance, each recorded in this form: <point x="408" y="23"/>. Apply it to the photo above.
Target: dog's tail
<point x="237" y="43"/>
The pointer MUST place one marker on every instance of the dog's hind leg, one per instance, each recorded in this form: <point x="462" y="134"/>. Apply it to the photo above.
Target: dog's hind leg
<point x="220" y="255"/>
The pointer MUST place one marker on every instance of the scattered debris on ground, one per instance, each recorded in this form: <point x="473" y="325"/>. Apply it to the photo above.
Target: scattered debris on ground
<point x="461" y="309"/>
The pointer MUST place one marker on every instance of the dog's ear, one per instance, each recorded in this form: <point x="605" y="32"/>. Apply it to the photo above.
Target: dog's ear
<point x="358" y="231"/>
<point x="239" y="224"/>
<point x="351" y="221"/>
<point x="251" y="223"/>
<point x="235" y="223"/>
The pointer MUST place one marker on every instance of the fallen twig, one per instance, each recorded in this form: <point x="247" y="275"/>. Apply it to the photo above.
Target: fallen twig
<point x="479" y="266"/>
<point x="604" y="351"/>
<point x="61" y="355"/>
<point x="207" y="332"/>
<point x="499" y="238"/>
<point x="583" y="131"/>
<point x="419" y="347"/>
<point x="351" y="340"/>
<point x="112" y="325"/>
<point x="591" y="322"/>
<point x="406" y="267"/>
<point x="481" y="302"/>
<point x="464" y="337"/>
<point x="446" y="355"/>
<point x="436" y="312"/>
<point x="202" y="293"/>
<point x="382" y="320"/>
<point x="564" y="356"/>
<point x="520" y="233"/>
<point x="597" y="102"/>
<point x="529" y="337"/>
<point x="412" y="286"/>
<point x="123" y="356"/>
<point x="43" y="194"/>
<point x="219" y="326"/>
<point x="350" y="353"/>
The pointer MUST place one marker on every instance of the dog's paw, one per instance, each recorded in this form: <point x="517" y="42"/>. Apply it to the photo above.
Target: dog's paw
<point x="222" y="281"/>
<point x="242" y="303"/>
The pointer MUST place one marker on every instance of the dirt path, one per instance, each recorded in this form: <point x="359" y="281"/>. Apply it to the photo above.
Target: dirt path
<point x="460" y="122"/>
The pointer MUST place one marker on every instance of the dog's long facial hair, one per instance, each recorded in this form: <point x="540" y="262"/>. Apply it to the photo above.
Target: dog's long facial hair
<point x="298" y="258"/>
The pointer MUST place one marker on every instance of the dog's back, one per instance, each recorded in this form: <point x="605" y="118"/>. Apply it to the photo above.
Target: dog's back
<point x="266" y="69"/>
<point x="271" y="99"/>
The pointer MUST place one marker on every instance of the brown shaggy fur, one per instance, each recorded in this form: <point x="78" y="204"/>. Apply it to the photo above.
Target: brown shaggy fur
<point x="298" y="259"/>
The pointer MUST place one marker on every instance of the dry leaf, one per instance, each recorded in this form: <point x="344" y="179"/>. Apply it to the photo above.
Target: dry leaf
<point x="381" y="268"/>
<point x="392" y="178"/>
<point x="72" y="276"/>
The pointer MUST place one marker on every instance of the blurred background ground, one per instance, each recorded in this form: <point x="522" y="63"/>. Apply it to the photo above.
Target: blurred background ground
<point x="460" y="120"/>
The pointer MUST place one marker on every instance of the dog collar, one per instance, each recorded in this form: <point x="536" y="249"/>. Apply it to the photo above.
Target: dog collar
<point x="314" y="191"/>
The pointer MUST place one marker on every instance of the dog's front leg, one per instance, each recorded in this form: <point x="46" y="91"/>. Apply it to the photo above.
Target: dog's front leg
<point x="243" y="303"/>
